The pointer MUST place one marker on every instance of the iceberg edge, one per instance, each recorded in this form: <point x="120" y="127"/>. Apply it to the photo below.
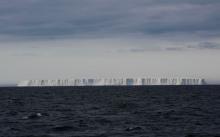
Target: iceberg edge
<point x="112" y="82"/>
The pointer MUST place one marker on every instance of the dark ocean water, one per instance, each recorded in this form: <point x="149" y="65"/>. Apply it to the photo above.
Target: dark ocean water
<point x="154" y="111"/>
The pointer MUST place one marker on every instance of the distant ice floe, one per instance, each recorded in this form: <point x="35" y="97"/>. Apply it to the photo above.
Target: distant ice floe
<point x="112" y="82"/>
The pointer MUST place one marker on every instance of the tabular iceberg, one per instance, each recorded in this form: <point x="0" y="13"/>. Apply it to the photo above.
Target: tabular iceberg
<point x="112" y="82"/>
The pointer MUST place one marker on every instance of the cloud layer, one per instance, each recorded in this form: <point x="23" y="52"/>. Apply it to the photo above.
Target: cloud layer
<point x="108" y="18"/>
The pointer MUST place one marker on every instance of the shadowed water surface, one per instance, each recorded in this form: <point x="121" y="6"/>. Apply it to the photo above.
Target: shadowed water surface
<point x="154" y="111"/>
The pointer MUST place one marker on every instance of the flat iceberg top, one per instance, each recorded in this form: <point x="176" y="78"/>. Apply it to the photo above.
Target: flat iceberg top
<point x="112" y="82"/>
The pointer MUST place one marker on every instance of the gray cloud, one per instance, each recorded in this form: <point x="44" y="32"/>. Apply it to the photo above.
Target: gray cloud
<point x="143" y="50"/>
<point x="105" y="18"/>
<point x="175" y="48"/>
<point x="205" y="46"/>
<point x="199" y="46"/>
<point x="209" y="45"/>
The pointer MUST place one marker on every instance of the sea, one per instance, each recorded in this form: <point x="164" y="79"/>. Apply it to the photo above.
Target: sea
<point x="117" y="111"/>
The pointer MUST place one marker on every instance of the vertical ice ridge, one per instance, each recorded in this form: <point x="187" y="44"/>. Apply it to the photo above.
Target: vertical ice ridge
<point x="113" y="82"/>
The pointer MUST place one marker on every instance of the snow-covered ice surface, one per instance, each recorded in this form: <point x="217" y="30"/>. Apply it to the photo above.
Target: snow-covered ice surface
<point x="113" y="82"/>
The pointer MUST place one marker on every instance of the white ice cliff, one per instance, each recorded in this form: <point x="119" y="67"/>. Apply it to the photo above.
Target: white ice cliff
<point x="112" y="82"/>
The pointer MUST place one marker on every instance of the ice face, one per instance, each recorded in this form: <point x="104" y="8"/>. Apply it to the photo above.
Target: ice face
<point x="113" y="82"/>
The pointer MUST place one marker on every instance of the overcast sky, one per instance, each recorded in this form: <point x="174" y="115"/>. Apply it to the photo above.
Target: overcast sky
<point x="49" y="39"/>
